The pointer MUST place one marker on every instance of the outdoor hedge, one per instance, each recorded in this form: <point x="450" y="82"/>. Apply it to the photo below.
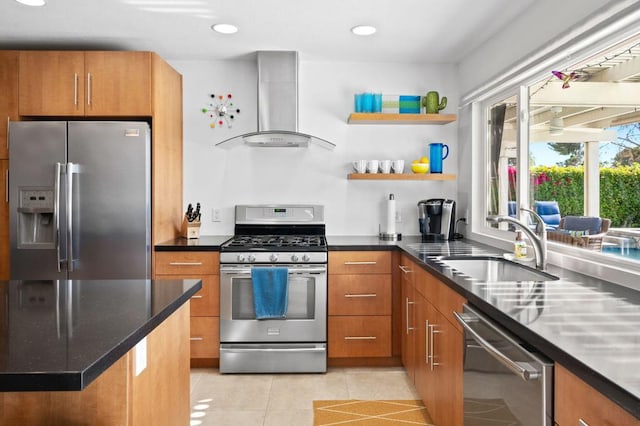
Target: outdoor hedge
<point x="619" y="191"/>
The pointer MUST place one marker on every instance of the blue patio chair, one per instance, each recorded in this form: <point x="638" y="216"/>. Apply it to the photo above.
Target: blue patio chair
<point x="549" y="212"/>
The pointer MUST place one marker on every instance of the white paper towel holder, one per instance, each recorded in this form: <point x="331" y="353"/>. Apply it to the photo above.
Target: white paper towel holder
<point x="389" y="236"/>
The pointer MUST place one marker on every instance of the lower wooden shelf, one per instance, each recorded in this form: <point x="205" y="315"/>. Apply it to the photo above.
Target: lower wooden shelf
<point x="401" y="176"/>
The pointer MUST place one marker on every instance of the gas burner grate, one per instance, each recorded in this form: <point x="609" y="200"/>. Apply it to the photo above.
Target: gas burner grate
<point x="276" y="241"/>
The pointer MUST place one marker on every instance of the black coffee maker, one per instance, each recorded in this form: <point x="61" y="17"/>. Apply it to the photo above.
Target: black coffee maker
<point x="436" y="219"/>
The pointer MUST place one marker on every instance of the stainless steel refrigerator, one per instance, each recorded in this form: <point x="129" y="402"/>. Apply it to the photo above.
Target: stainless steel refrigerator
<point x="80" y="199"/>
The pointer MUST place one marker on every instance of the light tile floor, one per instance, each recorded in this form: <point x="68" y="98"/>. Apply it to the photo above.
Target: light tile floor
<point x="286" y="399"/>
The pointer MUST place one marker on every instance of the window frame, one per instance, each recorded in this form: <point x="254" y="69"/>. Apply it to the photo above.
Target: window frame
<point x="559" y="254"/>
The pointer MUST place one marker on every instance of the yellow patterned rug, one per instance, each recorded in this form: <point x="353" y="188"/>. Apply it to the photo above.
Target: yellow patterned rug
<point x="370" y="413"/>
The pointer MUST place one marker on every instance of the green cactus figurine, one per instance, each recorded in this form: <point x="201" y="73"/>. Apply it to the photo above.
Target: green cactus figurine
<point x="432" y="104"/>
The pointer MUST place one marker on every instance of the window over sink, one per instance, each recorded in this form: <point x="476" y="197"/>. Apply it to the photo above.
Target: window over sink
<point x="567" y="144"/>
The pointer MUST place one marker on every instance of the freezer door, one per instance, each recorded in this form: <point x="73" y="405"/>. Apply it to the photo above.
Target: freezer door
<point x="35" y="149"/>
<point x="110" y="203"/>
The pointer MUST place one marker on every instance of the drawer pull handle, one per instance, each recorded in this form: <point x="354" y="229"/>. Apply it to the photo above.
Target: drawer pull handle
<point x="196" y="339"/>
<point x="364" y="262"/>
<point x="404" y="269"/>
<point x="185" y="263"/>
<point x="361" y="295"/>
<point x="582" y="423"/>
<point x="196" y="297"/>
<point x="360" y="337"/>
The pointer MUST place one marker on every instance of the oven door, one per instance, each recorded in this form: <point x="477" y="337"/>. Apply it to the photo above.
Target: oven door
<point x="306" y="312"/>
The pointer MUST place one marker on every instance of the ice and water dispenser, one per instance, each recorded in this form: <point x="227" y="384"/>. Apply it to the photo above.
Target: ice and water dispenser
<point x="36" y="227"/>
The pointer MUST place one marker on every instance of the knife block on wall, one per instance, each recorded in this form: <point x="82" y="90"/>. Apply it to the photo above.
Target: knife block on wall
<point x="190" y="230"/>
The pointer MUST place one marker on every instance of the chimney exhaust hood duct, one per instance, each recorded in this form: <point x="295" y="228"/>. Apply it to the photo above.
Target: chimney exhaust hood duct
<point x="277" y="105"/>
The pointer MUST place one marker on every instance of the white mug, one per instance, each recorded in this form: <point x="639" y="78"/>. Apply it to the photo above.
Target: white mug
<point x="397" y="166"/>
<point x="385" y="166"/>
<point x="360" y="166"/>
<point x="372" y="166"/>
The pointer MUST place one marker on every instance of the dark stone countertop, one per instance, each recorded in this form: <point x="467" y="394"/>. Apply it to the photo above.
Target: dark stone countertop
<point x="361" y="243"/>
<point x="590" y="326"/>
<point x="61" y="335"/>
<point x="204" y="243"/>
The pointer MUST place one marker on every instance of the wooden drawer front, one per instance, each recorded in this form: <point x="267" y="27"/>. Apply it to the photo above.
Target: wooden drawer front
<point x="360" y="295"/>
<point x="187" y="262"/>
<point x="205" y="337"/>
<point x="575" y="400"/>
<point x="359" y="262"/>
<point x="206" y="302"/>
<point x="359" y="336"/>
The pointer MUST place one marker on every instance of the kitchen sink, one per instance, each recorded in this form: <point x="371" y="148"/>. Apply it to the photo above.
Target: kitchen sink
<point x="487" y="268"/>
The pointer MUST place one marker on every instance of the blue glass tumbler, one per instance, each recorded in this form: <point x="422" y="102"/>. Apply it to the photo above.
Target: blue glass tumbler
<point x="358" y="98"/>
<point x="437" y="152"/>
<point x="367" y="102"/>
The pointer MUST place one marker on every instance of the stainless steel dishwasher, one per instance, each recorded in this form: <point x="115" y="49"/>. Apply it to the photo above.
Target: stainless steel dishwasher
<point x="504" y="382"/>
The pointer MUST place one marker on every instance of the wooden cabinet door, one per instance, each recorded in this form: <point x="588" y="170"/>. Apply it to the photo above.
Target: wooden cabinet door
<point x="422" y="373"/>
<point x="577" y="403"/>
<point x="118" y="84"/>
<point x="51" y="83"/>
<point x="4" y="221"/>
<point x="408" y="326"/>
<point x="446" y="349"/>
<point x="8" y="97"/>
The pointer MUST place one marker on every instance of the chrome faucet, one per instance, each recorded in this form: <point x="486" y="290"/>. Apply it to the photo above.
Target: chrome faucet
<point x="538" y="238"/>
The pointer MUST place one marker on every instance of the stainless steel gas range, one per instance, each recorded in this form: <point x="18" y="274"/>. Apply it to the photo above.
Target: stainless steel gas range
<point x="274" y="236"/>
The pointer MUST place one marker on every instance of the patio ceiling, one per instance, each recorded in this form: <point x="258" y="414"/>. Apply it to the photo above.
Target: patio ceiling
<point x="606" y="95"/>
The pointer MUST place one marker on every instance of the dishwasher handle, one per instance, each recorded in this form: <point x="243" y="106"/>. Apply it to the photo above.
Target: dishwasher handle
<point x="523" y="369"/>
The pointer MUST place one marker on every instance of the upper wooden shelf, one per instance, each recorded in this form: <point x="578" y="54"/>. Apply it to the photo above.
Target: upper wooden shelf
<point x="401" y="176"/>
<point x="380" y="118"/>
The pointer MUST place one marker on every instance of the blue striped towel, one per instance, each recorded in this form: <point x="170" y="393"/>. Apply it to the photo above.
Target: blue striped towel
<point x="270" y="292"/>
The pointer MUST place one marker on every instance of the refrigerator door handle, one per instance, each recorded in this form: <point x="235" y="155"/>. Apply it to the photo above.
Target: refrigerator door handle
<point x="56" y="210"/>
<point x="71" y="169"/>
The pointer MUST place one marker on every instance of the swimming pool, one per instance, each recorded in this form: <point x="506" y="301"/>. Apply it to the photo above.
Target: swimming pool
<point x="632" y="253"/>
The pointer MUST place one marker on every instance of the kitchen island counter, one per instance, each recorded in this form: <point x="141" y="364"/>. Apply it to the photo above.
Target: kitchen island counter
<point x="98" y="352"/>
<point x="62" y="335"/>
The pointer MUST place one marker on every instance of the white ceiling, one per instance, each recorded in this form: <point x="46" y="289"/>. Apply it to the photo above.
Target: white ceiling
<point x="409" y="31"/>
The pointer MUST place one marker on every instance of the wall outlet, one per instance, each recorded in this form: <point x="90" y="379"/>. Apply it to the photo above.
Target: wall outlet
<point x="215" y="215"/>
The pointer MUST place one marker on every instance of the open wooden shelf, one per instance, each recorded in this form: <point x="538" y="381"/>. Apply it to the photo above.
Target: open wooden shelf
<point x="401" y="176"/>
<point x="381" y="118"/>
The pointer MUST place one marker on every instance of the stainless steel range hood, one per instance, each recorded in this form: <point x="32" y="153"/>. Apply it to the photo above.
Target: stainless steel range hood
<point x="277" y="105"/>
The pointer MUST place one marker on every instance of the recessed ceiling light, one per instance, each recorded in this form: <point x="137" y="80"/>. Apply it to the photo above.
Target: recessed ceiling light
<point x="32" y="2"/>
<point x="224" y="28"/>
<point x="363" y="30"/>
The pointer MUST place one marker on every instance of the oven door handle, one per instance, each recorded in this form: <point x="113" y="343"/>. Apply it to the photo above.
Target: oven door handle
<point x="247" y="271"/>
<point x="525" y="370"/>
<point x="242" y="350"/>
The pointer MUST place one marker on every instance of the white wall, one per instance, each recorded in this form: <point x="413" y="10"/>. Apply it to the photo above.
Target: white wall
<point x="222" y="178"/>
<point x="540" y="24"/>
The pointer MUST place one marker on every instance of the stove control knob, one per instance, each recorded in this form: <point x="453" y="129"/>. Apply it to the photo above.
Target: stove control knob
<point x="306" y="258"/>
<point x="252" y="258"/>
<point x="294" y="258"/>
<point x="241" y="258"/>
<point x="273" y="257"/>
